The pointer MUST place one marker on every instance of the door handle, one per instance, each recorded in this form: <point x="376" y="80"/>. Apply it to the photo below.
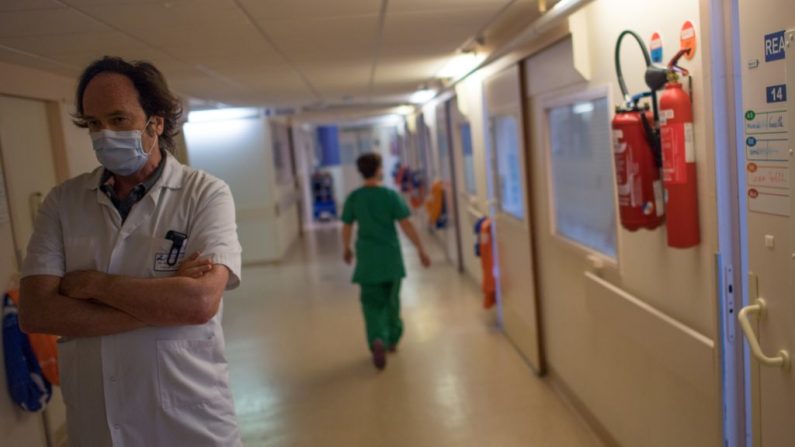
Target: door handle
<point x="759" y="308"/>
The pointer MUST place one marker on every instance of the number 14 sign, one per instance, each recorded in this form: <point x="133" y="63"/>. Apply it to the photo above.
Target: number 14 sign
<point x="777" y="93"/>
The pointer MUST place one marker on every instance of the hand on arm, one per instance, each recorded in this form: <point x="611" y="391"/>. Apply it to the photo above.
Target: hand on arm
<point x="194" y="266"/>
<point x="411" y="233"/>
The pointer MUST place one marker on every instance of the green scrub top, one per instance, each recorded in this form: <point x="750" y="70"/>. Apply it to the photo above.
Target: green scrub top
<point x="375" y="210"/>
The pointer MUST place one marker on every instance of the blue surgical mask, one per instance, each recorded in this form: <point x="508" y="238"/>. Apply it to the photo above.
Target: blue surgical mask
<point x="121" y="152"/>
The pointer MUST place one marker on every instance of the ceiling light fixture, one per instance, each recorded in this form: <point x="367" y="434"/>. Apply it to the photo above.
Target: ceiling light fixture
<point x="423" y="95"/>
<point x="405" y="110"/>
<point x="203" y="116"/>
<point x="460" y="65"/>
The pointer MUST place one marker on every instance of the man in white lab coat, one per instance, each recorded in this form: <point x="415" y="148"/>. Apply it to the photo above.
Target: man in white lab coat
<point x="113" y="268"/>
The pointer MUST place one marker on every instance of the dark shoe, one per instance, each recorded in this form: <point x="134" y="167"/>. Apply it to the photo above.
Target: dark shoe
<point x="379" y="354"/>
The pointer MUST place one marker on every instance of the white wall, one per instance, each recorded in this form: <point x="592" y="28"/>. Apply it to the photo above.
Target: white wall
<point x="466" y="217"/>
<point x="240" y="152"/>
<point x="435" y="118"/>
<point x="636" y="347"/>
<point x="305" y="158"/>
<point x="471" y="108"/>
<point x="79" y="151"/>
<point x="72" y="156"/>
<point x="471" y="105"/>
<point x="59" y="91"/>
<point x="287" y="194"/>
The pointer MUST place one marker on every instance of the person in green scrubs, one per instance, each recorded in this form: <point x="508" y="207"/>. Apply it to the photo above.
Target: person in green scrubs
<point x="379" y="262"/>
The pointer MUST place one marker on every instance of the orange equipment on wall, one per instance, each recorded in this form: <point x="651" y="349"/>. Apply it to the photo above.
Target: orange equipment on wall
<point x="679" y="160"/>
<point x="484" y="249"/>
<point x="435" y="203"/>
<point x="44" y="346"/>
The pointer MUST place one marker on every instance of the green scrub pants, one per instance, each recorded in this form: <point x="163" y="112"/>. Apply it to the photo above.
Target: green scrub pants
<point x="381" y="307"/>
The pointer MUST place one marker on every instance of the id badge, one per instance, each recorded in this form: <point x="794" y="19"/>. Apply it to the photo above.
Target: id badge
<point x="162" y="262"/>
<point x="169" y="261"/>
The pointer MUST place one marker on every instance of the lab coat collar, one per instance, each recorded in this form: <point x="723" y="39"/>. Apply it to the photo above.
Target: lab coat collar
<point x="172" y="178"/>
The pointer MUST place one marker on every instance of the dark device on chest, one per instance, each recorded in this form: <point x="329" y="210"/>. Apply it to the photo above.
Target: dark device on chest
<point x="177" y="241"/>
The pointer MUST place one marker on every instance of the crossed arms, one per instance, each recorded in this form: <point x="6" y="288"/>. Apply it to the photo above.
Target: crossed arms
<point x="91" y="303"/>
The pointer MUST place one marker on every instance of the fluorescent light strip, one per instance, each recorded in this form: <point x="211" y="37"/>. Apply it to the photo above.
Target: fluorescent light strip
<point x="202" y="116"/>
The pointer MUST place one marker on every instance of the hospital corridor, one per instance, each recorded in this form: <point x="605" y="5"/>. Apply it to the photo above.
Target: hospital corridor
<point x="397" y="223"/>
<point x="300" y="376"/>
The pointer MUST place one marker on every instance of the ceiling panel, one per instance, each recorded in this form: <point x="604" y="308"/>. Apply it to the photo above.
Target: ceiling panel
<point x="56" y="44"/>
<point x="304" y="9"/>
<point x="205" y="88"/>
<point x="233" y="62"/>
<point x="210" y="49"/>
<point x="415" y="71"/>
<point x="450" y="28"/>
<point x="256" y="72"/>
<point x="401" y="89"/>
<point x="270" y="81"/>
<point x="305" y="39"/>
<point x="278" y="91"/>
<point x="197" y="22"/>
<point x="14" y="57"/>
<point x="339" y="80"/>
<point x="437" y="5"/>
<point x="163" y="62"/>
<point x="343" y="89"/>
<point x="28" y="5"/>
<point x="520" y="14"/>
<point x="46" y="21"/>
<point x="140" y="3"/>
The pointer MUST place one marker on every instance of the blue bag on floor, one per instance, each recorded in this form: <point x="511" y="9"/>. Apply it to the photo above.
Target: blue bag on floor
<point x="26" y="383"/>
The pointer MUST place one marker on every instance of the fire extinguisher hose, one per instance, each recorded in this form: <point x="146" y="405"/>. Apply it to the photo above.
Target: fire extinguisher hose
<point x="619" y="71"/>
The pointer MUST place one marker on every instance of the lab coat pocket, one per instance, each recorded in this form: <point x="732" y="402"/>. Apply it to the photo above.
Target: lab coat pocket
<point x="190" y="372"/>
<point x="67" y="364"/>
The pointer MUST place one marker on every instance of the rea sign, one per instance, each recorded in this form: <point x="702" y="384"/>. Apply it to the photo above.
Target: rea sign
<point x="774" y="46"/>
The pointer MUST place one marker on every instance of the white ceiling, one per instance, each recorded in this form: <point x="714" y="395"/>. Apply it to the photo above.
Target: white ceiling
<point x="263" y="52"/>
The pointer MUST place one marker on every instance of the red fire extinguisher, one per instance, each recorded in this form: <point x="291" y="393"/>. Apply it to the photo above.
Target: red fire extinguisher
<point x="640" y="195"/>
<point x="679" y="160"/>
<point x="636" y="153"/>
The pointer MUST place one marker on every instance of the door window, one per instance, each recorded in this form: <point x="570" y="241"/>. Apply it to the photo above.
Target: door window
<point x="468" y="157"/>
<point x="509" y="170"/>
<point x="582" y="174"/>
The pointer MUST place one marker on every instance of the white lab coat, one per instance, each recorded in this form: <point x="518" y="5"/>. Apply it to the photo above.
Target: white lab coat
<point x="152" y="386"/>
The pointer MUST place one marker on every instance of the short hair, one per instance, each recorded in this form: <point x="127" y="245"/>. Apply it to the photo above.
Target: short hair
<point x="153" y="93"/>
<point x="368" y="164"/>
